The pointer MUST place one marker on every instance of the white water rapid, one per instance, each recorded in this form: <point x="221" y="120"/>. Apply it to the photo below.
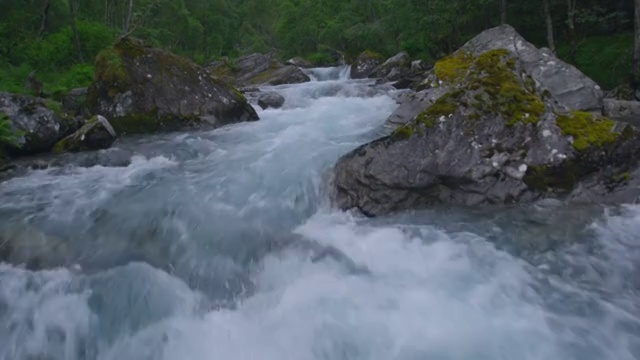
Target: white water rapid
<point x="223" y="245"/>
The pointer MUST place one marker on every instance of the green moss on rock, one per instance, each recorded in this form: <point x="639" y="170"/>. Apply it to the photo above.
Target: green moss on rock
<point x="489" y="85"/>
<point x="586" y="130"/>
<point x="454" y="67"/>
<point x="403" y="132"/>
<point x="111" y="71"/>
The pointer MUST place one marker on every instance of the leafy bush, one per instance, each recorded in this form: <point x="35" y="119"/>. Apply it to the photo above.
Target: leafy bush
<point x="7" y="135"/>
<point x="605" y="59"/>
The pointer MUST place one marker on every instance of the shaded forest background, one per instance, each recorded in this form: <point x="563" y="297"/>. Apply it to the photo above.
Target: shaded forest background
<point x="60" y="38"/>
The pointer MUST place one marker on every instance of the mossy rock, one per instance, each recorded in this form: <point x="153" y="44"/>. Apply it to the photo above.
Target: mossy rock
<point x="587" y="130"/>
<point x="487" y="85"/>
<point x="96" y="134"/>
<point x="147" y="90"/>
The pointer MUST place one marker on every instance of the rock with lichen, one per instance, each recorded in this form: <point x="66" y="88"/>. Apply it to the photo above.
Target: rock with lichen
<point x="37" y="123"/>
<point x="365" y="63"/>
<point x="393" y="68"/>
<point x="492" y="135"/>
<point x="144" y="90"/>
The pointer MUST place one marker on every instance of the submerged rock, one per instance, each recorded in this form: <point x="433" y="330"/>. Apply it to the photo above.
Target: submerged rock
<point x="40" y="123"/>
<point x="143" y="90"/>
<point x="493" y="136"/>
<point x="365" y="63"/>
<point x="271" y="100"/>
<point x="96" y="134"/>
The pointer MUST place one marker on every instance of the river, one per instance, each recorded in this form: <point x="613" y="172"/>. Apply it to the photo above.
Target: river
<point x="223" y="245"/>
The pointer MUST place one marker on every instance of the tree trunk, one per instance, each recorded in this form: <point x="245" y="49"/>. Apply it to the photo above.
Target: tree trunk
<point x="549" y="19"/>
<point x="45" y="17"/>
<point x="76" y="37"/>
<point x="503" y="12"/>
<point x="635" y="74"/>
<point x="571" y="11"/>
<point x="127" y="26"/>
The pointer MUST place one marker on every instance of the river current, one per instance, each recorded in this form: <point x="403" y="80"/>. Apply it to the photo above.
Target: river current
<point x="223" y="245"/>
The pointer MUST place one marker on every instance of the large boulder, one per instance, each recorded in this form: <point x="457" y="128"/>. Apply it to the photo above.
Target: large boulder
<point x="567" y="84"/>
<point x="142" y="90"/>
<point x="257" y="69"/>
<point x="271" y="100"/>
<point x="496" y="136"/>
<point x="277" y="75"/>
<point x="96" y="134"/>
<point x="394" y="68"/>
<point x="39" y="123"/>
<point x="365" y="63"/>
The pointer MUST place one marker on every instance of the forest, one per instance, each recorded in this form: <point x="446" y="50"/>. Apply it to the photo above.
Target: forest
<point x="59" y="39"/>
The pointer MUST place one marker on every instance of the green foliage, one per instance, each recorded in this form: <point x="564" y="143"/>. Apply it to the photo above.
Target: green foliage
<point x="205" y="30"/>
<point x="605" y="59"/>
<point x="7" y="135"/>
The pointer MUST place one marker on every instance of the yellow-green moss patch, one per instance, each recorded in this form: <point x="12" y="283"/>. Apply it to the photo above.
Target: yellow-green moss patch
<point x="586" y="130"/>
<point x="501" y="92"/>
<point x="454" y="67"/>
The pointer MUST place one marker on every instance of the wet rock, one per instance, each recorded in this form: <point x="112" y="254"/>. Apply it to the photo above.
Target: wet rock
<point x="271" y="100"/>
<point x="40" y="122"/>
<point x="569" y="87"/>
<point x="279" y="76"/>
<point x="394" y="68"/>
<point x="96" y="134"/>
<point x="621" y="110"/>
<point x="493" y="137"/>
<point x="299" y="62"/>
<point x="365" y="63"/>
<point x="258" y="69"/>
<point x="144" y="90"/>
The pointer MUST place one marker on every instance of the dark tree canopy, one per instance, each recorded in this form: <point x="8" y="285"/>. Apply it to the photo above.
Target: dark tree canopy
<point x="38" y="35"/>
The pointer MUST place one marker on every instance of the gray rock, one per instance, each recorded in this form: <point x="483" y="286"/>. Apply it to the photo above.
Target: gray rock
<point x="74" y="103"/>
<point x="150" y="90"/>
<point x="299" y="62"/>
<point x="257" y="69"/>
<point x="412" y="104"/>
<point x="40" y="126"/>
<point x="364" y="65"/>
<point x="620" y="110"/>
<point x="568" y="85"/>
<point x="280" y="75"/>
<point x="473" y="147"/>
<point x="96" y="134"/>
<point x="394" y="68"/>
<point x="271" y="100"/>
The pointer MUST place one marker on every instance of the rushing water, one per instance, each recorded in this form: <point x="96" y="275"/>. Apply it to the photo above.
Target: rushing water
<point x="222" y="245"/>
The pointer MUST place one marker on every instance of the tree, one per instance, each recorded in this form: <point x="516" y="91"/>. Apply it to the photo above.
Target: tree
<point x="635" y="76"/>
<point x="45" y="17"/>
<point x="76" y="36"/>
<point x="503" y="11"/>
<point x="549" y="20"/>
